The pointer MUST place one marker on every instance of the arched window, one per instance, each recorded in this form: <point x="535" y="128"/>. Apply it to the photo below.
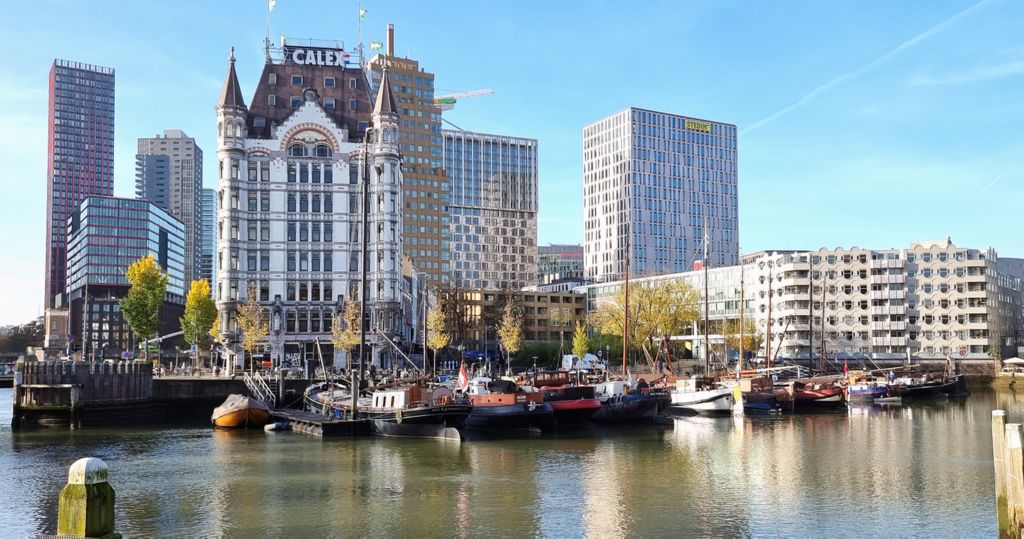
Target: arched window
<point x="322" y="150"/>
<point x="297" y="150"/>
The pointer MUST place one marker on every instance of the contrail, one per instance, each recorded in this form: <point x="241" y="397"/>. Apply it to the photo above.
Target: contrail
<point x="990" y="184"/>
<point x="861" y="70"/>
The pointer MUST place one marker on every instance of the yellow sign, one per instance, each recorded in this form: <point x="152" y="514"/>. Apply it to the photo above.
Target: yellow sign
<point x="698" y="125"/>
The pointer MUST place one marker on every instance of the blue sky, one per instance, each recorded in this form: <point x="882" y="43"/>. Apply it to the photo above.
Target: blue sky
<point x="871" y="123"/>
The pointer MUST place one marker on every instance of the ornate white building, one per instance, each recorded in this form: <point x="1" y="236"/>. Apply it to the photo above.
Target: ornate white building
<point x="289" y="202"/>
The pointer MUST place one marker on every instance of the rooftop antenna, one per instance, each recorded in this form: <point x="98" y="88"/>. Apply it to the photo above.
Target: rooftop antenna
<point x="266" y="40"/>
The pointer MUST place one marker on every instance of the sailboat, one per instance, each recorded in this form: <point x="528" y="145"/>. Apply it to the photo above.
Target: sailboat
<point x="702" y="394"/>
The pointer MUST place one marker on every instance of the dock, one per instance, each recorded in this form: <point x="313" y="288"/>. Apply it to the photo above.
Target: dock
<point x="320" y="425"/>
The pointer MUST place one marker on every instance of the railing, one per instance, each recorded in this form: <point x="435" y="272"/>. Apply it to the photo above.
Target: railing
<point x="259" y="388"/>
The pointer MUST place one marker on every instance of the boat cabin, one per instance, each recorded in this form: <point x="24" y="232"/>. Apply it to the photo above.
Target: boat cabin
<point x="612" y="388"/>
<point x="696" y="383"/>
<point x="484" y="391"/>
<point x="403" y="397"/>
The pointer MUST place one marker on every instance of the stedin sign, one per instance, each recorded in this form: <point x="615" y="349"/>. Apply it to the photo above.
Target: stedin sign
<point x="316" y="57"/>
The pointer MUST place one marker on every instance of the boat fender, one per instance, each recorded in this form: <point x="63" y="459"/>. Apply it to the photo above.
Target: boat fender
<point x="533" y="406"/>
<point x="398" y="416"/>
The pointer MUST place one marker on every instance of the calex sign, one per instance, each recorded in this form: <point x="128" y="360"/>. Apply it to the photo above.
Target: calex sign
<point x="316" y="57"/>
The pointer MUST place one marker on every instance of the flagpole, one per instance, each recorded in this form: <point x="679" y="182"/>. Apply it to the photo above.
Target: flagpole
<point x="266" y="40"/>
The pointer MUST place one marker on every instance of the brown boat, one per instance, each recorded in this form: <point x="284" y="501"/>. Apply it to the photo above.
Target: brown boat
<point x="239" y="411"/>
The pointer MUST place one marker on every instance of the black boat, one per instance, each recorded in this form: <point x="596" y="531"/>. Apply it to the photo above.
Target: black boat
<point x="411" y="411"/>
<point x="570" y="403"/>
<point x="498" y="405"/>
<point x="930" y="387"/>
<point x="622" y="404"/>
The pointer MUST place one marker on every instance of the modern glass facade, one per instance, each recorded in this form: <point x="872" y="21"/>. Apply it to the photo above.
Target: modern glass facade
<point x="208" y="247"/>
<point x="653" y="183"/>
<point x="109" y="234"/>
<point x="493" y="209"/>
<point x="81" y="155"/>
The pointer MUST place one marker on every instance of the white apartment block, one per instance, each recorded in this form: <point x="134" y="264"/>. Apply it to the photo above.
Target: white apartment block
<point x="289" y="222"/>
<point x="932" y="299"/>
<point x="652" y="184"/>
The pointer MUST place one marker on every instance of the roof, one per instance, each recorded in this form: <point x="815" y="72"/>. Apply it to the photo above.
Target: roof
<point x="231" y="93"/>
<point x="385" y="99"/>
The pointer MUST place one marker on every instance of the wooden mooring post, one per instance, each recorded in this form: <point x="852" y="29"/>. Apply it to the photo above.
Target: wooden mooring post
<point x="1008" y="461"/>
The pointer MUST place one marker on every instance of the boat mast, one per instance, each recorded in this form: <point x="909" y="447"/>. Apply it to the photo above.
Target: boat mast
<point x="357" y="373"/>
<point x="739" y="362"/>
<point x="768" y="341"/>
<point x="625" y="314"/>
<point x="707" y="345"/>
<point x="810" y="316"/>
<point x="823" y="350"/>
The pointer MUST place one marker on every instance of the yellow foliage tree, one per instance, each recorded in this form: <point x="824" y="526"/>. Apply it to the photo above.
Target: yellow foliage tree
<point x="437" y="334"/>
<point x="663" y="307"/>
<point x="141" y="307"/>
<point x="345" y="333"/>
<point x="510" y="330"/>
<point x="752" y="338"/>
<point x="580" y="343"/>
<point x="252" y="321"/>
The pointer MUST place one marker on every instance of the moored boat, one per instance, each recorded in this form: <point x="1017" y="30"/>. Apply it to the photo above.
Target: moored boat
<point x="500" y="405"/>
<point x="570" y="403"/>
<point x="813" y="394"/>
<point x="700" y="395"/>
<point x="868" y="389"/>
<point x="240" y="411"/>
<point x="622" y="403"/>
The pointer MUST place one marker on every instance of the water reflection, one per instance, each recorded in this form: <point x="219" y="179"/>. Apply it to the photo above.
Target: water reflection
<point x="918" y="469"/>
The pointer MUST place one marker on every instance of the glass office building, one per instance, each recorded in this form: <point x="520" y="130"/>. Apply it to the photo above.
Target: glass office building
<point x="493" y="209"/>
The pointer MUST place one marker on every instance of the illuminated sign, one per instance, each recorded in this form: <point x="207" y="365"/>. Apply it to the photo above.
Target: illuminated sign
<point x="316" y="57"/>
<point x="697" y="125"/>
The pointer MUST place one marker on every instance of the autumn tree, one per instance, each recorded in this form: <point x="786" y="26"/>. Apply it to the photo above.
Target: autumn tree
<point x="437" y="332"/>
<point x="141" y="307"/>
<point x="580" y="343"/>
<point x="346" y="331"/>
<point x="752" y="338"/>
<point x="200" y="314"/>
<point x="662" y="307"/>
<point x="510" y="330"/>
<point x="252" y="321"/>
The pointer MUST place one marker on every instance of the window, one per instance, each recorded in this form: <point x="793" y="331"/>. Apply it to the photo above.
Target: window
<point x="328" y="103"/>
<point x="328" y="81"/>
<point x="291" y="291"/>
<point x="264" y="230"/>
<point x="291" y="261"/>
<point x="291" y="231"/>
<point x="328" y="266"/>
<point x="252" y="201"/>
<point x="304" y="172"/>
<point x="328" y="203"/>
<point x="292" y="168"/>
<point x="297" y="150"/>
<point x="296" y="80"/>
<point x="291" y="202"/>
<point x="322" y="150"/>
<point x="315" y="232"/>
<point x="303" y="263"/>
<point x="328" y="173"/>
<point x="316" y="203"/>
<point x="272" y="100"/>
<point x="303" y="203"/>
<point x="328" y="232"/>
<point x="303" y="231"/>
<point x="265" y="264"/>
<point x="251" y="227"/>
<point x="251" y="260"/>
<point x="272" y="78"/>
<point x="316" y="261"/>
<point x="264" y="201"/>
<point x="315" y="171"/>
<point x="296" y="101"/>
<point x="352" y="104"/>
<point x="352" y="82"/>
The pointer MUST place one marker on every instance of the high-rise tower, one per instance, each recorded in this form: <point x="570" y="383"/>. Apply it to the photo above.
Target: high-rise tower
<point x="426" y="190"/>
<point x="169" y="173"/>
<point x="653" y="182"/>
<point x="80" y="163"/>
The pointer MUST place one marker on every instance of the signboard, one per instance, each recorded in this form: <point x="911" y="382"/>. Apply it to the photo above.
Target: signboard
<point x="697" y="125"/>
<point x="312" y="56"/>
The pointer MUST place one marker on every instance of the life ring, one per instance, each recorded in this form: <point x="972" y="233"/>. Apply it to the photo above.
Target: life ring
<point x="398" y="416"/>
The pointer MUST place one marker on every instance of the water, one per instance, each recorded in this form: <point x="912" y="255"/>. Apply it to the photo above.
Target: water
<point x="922" y="470"/>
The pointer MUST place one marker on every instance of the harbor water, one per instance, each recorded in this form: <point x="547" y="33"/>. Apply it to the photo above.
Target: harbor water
<point x="918" y="470"/>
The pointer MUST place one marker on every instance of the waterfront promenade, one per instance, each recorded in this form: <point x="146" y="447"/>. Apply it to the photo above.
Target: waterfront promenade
<point x="918" y="470"/>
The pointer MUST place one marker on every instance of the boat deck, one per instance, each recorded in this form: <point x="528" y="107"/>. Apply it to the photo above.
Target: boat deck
<point x="320" y="425"/>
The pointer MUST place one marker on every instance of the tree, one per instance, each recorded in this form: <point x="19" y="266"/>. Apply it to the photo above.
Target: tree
<point x="21" y="337"/>
<point x="252" y="321"/>
<point x="752" y="338"/>
<point x="140" y="308"/>
<point x="580" y="344"/>
<point x="346" y="332"/>
<point x="662" y="307"/>
<point x="200" y="314"/>
<point x="993" y="352"/>
<point x="510" y="330"/>
<point x="437" y="334"/>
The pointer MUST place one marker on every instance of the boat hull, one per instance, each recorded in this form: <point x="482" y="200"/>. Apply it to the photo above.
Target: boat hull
<point x="425" y="422"/>
<point x="705" y="402"/>
<point x="573" y="412"/>
<point x="239" y="411"/>
<point x="516" y="417"/>
<point x="626" y="408"/>
<point x="760" y="403"/>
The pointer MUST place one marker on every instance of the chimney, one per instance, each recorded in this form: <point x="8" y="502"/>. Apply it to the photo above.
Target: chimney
<point x="391" y="39"/>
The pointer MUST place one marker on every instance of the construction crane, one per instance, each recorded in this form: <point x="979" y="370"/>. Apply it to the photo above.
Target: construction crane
<point x="447" y="102"/>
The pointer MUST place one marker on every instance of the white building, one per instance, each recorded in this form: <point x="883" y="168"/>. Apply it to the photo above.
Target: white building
<point x="652" y="182"/>
<point x="290" y="204"/>
<point x="932" y="299"/>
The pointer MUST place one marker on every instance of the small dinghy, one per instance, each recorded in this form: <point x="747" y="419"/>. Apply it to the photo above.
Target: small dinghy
<point x="239" y="411"/>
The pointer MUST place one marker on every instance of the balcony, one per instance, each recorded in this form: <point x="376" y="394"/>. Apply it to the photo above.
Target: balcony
<point x="888" y="309"/>
<point x="885" y="264"/>
<point x="887" y="279"/>
<point x="887" y="294"/>
<point x="889" y="326"/>
<point x="889" y="341"/>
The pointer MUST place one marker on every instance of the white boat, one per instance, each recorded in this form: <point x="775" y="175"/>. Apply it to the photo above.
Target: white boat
<point x="700" y="395"/>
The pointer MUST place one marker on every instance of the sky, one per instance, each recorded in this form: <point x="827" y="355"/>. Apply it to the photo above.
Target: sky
<point x="872" y="124"/>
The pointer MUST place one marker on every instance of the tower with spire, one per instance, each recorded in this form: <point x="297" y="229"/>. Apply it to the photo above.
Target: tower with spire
<point x="231" y="131"/>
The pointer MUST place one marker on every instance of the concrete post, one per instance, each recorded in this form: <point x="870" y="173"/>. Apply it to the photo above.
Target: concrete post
<point x="86" y="507"/>
<point x="999" y="461"/>
<point x="1013" y="462"/>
